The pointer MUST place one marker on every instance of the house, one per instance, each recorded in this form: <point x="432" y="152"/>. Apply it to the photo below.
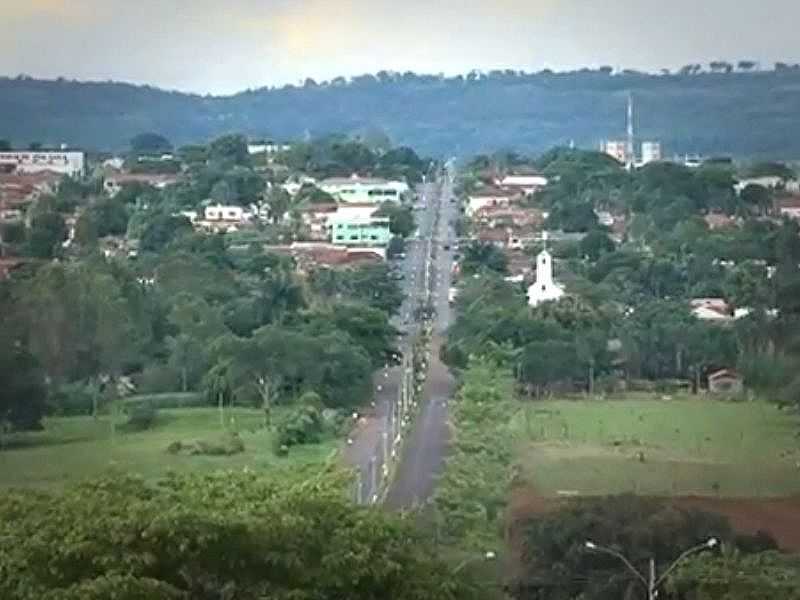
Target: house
<point x="715" y="310"/>
<point x="267" y="147"/>
<point x="510" y="216"/>
<point x="315" y="217"/>
<point x="605" y="218"/>
<point x="490" y="196"/>
<point x="725" y="381"/>
<point x="22" y="189"/>
<point x="223" y="219"/>
<point x="788" y="206"/>
<point x="526" y="184"/>
<point x="357" y="189"/>
<point x="113" y="184"/>
<point x="544" y="289"/>
<point x="771" y="182"/>
<point x="717" y="221"/>
<point x="311" y="254"/>
<point x="359" y="231"/>
<point x="63" y="162"/>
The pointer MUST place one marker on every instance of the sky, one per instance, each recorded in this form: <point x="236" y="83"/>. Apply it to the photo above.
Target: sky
<point x="225" y="46"/>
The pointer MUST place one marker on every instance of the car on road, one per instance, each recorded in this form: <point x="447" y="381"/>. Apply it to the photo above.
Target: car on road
<point x="446" y="246"/>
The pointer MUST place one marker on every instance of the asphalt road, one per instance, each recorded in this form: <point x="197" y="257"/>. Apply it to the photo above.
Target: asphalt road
<point x="370" y="444"/>
<point x="425" y="451"/>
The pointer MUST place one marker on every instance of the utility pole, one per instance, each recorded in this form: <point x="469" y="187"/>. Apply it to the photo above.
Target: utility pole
<point x="630" y="150"/>
<point x="651" y="582"/>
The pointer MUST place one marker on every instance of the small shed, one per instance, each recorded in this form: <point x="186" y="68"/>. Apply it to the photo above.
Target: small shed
<point x="725" y="381"/>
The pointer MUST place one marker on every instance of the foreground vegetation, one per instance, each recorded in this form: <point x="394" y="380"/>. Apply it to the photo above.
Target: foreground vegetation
<point x="659" y="447"/>
<point x="227" y="535"/>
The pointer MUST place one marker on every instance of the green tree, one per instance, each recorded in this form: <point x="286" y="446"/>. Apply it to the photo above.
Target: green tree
<point x="401" y="219"/>
<point x="479" y="255"/>
<point x="226" y="535"/>
<point x="47" y="232"/>
<point x="23" y="391"/>
<point x="737" y="576"/>
<point x="757" y="197"/>
<point x="558" y="565"/>
<point x="595" y="244"/>
<point x="150" y="143"/>
<point x="161" y="230"/>
<point x="279" y="202"/>
<point x="229" y="149"/>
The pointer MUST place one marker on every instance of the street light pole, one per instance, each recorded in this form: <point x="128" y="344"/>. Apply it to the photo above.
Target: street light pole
<point x="651" y="582"/>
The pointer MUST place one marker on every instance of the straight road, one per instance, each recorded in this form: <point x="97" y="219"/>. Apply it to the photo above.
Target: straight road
<point x="370" y="445"/>
<point x="425" y="451"/>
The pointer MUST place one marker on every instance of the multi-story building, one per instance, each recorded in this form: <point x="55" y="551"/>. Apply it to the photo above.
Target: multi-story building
<point x="66" y="162"/>
<point x="360" y="231"/>
<point x="651" y="152"/>
<point x="617" y="149"/>
<point x="361" y="190"/>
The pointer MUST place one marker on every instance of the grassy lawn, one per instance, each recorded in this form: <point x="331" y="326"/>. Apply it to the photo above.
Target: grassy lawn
<point x="660" y="447"/>
<point x="78" y="447"/>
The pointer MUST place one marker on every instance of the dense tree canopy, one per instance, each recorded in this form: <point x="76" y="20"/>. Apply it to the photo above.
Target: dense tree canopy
<point x="219" y="536"/>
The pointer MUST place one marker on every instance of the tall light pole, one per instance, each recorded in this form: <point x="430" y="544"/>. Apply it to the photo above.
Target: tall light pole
<point x="651" y="582"/>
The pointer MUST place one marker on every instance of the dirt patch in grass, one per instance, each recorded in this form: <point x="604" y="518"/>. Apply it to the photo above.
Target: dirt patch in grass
<point x="780" y="517"/>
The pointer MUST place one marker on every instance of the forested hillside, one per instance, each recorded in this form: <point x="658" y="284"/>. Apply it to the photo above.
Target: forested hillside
<point x="739" y="113"/>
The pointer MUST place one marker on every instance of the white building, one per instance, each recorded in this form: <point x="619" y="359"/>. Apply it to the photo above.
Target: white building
<point x="617" y="149"/>
<point x="489" y="197"/>
<point x="63" y="162"/>
<point x="529" y="184"/>
<point x="544" y="289"/>
<point x="267" y="148"/>
<point x="361" y="190"/>
<point x="218" y="212"/>
<point x="651" y="152"/>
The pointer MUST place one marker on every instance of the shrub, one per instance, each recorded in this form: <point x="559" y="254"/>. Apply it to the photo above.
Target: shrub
<point x="158" y="379"/>
<point x="72" y="399"/>
<point x="141" y="418"/>
<point x="227" y="445"/>
<point x="301" y="425"/>
<point x="171" y="400"/>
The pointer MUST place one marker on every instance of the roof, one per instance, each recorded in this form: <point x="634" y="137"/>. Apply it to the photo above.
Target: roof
<point x="719" y="221"/>
<point x="724" y="373"/>
<point x="355" y="179"/>
<point x="788" y="202"/>
<point x="32" y="179"/>
<point x="493" y="192"/>
<point x="319" y="208"/>
<point x="142" y="178"/>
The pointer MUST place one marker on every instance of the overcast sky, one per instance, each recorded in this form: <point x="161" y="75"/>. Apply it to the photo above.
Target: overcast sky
<point x="224" y="46"/>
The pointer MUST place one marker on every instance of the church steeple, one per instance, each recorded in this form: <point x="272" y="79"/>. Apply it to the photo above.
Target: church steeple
<point x="544" y="288"/>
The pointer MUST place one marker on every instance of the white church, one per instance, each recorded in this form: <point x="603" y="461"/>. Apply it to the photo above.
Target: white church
<point x="544" y="289"/>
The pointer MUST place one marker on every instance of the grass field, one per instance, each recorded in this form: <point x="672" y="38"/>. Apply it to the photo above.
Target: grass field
<point x="660" y="447"/>
<point x="74" y="448"/>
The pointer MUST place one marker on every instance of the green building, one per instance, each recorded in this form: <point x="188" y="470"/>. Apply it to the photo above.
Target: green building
<point x="360" y="231"/>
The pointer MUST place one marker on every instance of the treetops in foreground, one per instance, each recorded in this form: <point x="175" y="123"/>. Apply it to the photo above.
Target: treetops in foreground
<point x="226" y="535"/>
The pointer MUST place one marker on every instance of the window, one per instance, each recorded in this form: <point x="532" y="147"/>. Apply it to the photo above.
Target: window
<point x="354" y="238"/>
<point x="340" y="238"/>
<point x="373" y="237"/>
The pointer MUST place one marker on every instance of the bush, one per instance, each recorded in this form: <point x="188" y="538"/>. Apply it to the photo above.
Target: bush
<point x="302" y="425"/>
<point x="158" y="379"/>
<point x="71" y="399"/>
<point x="227" y="445"/>
<point x="141" y="418"/>
<point x="171" y="400"/>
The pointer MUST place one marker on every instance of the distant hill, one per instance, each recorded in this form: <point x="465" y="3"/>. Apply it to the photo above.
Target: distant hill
<point x="753" y="114"/>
